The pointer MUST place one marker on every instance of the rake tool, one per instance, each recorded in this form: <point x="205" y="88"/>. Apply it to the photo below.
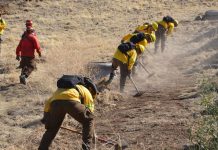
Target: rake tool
<point x="149" y="51"/>
<point x="149" y="73"/>
<point x="139" y="93"/>
<point x="117" y="145"/>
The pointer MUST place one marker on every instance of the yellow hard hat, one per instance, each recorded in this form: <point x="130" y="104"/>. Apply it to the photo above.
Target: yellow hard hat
<point x="155" y="26"/>
<point x="176" y="22"/>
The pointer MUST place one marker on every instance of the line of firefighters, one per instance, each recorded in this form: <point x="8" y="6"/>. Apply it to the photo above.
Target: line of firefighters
<point x="134" y="44"/>
<point x="77" y="98"/>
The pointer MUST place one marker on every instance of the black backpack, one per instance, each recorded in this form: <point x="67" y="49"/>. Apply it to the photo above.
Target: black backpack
<point x="137" y="38"/>
<point x="25" y="34"/>
<point x="168" y="19"/>
<point x="70" y="81"/>
<point x="125" y="47"/>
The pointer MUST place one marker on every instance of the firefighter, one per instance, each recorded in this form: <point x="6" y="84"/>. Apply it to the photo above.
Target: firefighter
<point x="147" y="28"/>
<point x="126" y="56"/>
<point x="2" y="26"/>
<point x="165" y="27"/>
<point x="25" y="52"/>
<point x="75" y="98"/>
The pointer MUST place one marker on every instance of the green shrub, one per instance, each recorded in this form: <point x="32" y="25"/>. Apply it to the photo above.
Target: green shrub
<point x="204" y="133"/>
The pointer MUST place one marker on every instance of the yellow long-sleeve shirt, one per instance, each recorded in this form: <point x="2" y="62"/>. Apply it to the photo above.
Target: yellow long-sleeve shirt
<point x="71" y="94"/>
<point x="168" y="26"/>
<point x="144" y="43"/>
<point x="144" y="28"/>
<point x="127" y="38"/>
<point x="129" y="60"/>
<point x="2" y="26"/>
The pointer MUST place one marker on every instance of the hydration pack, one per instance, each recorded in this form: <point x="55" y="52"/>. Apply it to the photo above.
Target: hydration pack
<point x="137" y="38"/>
<point x="125" y="47"/>
<point x="168" y="19"/>
<point x="70" y="81"/>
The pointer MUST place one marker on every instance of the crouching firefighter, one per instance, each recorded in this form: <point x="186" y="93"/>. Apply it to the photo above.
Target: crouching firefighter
<point x="127" y="54"/>
<point x="165" y="27"/>
<point x="125" y="58"/>
<point x="75" y="95"/>
<point x="147" y="28"/>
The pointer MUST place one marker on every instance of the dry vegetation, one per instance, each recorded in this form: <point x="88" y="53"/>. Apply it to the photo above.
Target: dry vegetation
<point x="74" y="33"/>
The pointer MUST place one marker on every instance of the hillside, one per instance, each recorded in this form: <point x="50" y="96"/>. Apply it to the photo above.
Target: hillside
<point x="74" y="33"/>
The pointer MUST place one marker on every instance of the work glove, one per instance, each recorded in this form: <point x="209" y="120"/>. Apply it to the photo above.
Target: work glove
<point x="18" y="58"/>
<point x="129" y="72"/>
<point x="45" y="118"/>
<point x="40" y="55"/>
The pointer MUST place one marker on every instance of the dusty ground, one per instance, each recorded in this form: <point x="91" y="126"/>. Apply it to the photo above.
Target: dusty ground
<point x="73" y="33"/>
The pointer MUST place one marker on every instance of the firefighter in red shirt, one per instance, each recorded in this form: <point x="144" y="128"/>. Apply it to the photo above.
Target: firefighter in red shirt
<point x="25" y="52"/>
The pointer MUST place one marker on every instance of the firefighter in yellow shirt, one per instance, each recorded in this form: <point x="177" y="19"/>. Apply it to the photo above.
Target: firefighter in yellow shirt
<point x="143" y="42"/>
<point x="126" y="55"/>
<point x="131" y="38"/>
<point x="2" y="27"/>
<point x="146" y="28"/>
<point x="165" y="27"/>
<point x="75" y="95"/>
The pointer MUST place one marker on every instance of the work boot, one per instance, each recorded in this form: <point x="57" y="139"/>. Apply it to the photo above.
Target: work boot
<point x="122" y="89"/>
<point x="111" y="77"/>
<point x="23" y="79"/>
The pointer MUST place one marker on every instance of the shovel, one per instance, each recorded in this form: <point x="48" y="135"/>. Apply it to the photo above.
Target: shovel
<point x="149" y="74"/>
<point x="117" y="145"/>
<point x="139" y="93"/>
